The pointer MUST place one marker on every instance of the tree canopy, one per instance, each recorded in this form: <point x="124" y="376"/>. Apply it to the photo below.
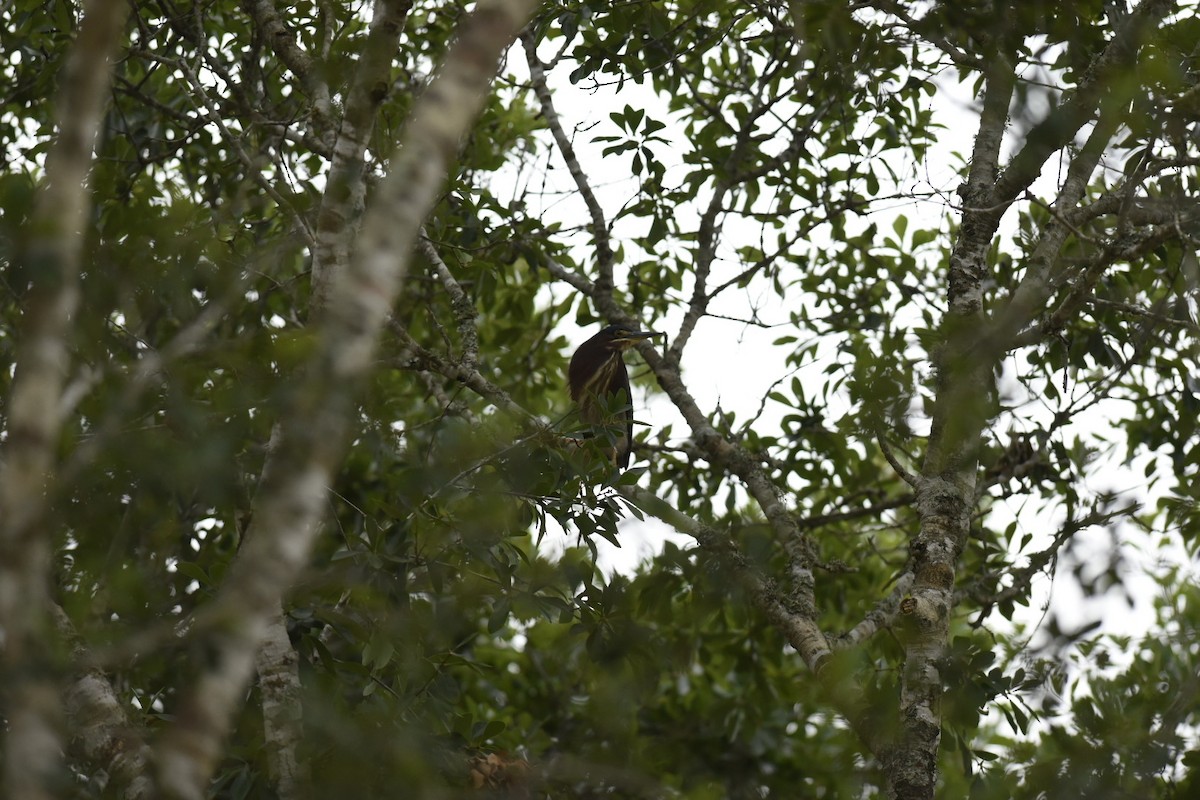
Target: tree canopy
<point x="293" y="499"/>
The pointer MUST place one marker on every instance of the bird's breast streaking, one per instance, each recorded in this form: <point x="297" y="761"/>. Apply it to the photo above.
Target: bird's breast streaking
<point x="599" y="382"/>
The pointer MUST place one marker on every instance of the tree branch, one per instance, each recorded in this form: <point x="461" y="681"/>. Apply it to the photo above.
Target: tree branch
<point x="1130" y="251"/>
<point x="345" y="188"/>
<point x="877" y="618"/>
<point x="1038" y="283"/>
<point x="311" y="436"/>
<point x="800" y="630"/>
<point x="464" y="309"/>
<point x="283" y="42"/>
<point x="708" y="234"/>
<point x="1058" y="129"/>
<point x="604" y="252"/>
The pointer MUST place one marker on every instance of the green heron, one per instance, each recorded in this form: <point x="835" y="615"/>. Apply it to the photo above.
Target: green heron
<point x="600" y="383"/>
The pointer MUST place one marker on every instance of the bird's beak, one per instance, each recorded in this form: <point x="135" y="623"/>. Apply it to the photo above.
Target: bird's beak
<point x="634" y="336"/>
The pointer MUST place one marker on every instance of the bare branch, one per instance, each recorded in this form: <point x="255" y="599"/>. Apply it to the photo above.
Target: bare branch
<point x="821" y="520"/>
<point x="467" y="376"/>
<point x="957" y="55"/>
<point x="600" y="233"/>
<point x="1146" y="313"/>
<point x="574" y="279"/>
<point x="877" y="618"/>
<point x="709" y="232"/>
<point x="909" y="478"/>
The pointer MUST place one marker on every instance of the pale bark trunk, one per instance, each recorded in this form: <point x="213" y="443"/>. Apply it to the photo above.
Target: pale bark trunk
<point x="337" y="224"/>
<point x="292" y="493"/>
<point x="30" y="701"/>
<point x="279" y="681"/>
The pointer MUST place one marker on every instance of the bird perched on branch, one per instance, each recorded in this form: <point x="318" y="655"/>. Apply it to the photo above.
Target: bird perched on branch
<point x="599" y="383"/>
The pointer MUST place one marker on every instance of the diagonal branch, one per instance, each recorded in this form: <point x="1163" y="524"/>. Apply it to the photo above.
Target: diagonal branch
<point x="464" y="309"/>
<point x="311" y="436"/>
<point x="1058" y="129"/>
<point x="797" y="627"/>
<point x="800" y="630"/>
<point x="1020" y="580"/>
<point x="746" y="466"/>
<point x="604" y="252"/>
<point x="879" y="617"/>
<point x="1128" y="251"/>
<point x="283" y="42"/>
<point x="468" y="376"/>
<point x="1037" y="284"/>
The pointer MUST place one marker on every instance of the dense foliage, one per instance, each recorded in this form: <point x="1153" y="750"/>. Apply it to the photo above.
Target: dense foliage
<point x="998" y="314"/>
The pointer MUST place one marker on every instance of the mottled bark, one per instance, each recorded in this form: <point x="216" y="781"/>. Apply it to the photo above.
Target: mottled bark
<point x="101" y="732"/>
<point x="345" y="189"/>
<point x="337" y="226"/>
<point x="51" y="261"/>
<point x="971" y="345"/>
<point x="291" y="495"/>
<point x="278" y="667"/>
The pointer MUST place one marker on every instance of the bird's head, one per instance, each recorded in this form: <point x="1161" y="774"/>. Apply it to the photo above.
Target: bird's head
<point x="621" y="337"/>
